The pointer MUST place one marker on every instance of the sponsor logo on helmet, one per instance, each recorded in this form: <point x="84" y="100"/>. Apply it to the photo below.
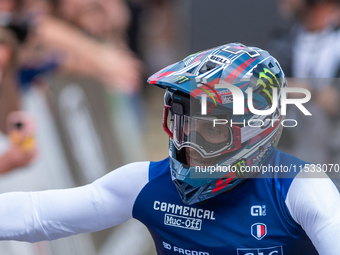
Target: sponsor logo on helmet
<point x="227" y="99"/>
<point x="266" y="81"/>
<point x="219" y="59"/>
<point x="238" y="165"/>
<point x="235" y="171"/>
<point x="224" y="181"/>
<point x="263" y="152"/>
<point x="181" y="79"/>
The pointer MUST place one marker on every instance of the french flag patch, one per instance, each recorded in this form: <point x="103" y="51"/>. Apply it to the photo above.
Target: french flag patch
<point x="258" y="230"/>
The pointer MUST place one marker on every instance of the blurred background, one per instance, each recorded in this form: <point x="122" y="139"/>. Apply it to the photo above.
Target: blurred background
<point x="74" y="102"/>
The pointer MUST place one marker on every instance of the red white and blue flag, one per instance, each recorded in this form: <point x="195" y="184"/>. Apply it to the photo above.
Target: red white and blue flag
<point x="258" y="230"/>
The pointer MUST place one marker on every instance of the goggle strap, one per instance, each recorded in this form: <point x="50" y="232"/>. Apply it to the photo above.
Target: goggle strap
<point x="166" y="109"/>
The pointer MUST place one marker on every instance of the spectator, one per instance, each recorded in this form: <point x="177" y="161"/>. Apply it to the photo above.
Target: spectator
<point x="22" y="148"/>
<point x="310" y="52"/>
<point x="18" y="154"/>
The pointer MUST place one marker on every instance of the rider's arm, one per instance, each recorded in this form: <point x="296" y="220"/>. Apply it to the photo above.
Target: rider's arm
<point x="314" y="203"/>
<point x="51" y="214"/>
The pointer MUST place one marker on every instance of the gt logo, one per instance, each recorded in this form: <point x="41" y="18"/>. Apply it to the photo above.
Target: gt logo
<point x="277" y="250"/>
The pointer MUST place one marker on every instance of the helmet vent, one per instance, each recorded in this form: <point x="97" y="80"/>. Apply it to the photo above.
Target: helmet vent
<point x="191" y="70"/>
<point x="185" y="187"/>
<point x="189" y="187"/>
<point x="271" y="65"/>
<point x="191" y="192"/>
<point x="208" y="66"/>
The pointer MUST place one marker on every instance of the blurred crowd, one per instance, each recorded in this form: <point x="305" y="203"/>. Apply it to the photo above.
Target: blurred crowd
<point x="100" y="39"/>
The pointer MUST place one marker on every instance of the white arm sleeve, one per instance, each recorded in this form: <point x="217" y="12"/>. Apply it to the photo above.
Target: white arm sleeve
<point x="51" y="214"/>
<point x="314" y="203"/>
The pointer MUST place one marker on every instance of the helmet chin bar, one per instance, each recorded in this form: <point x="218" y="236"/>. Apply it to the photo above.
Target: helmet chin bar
<point x="193" y="190"/>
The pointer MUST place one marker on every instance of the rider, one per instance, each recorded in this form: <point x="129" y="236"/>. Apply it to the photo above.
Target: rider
<point x="234" y="193"/>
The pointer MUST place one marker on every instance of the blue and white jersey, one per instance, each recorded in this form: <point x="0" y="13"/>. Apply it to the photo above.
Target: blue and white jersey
<point x="253" y="218"/>
<point x="264" y="216"/>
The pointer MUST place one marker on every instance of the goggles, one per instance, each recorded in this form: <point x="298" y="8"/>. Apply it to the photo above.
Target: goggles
<point x="199" y="133"/>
